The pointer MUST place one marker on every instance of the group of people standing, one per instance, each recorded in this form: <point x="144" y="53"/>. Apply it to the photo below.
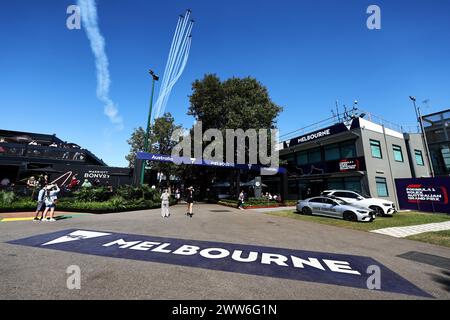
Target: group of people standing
<point x="269" y="196"/>
<point x="46" y="201"/>
<point x="165" y="201"/>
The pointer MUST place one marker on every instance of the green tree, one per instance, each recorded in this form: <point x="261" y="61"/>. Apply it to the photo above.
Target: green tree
<point x="235" y="103"/>
<point x="159" y="142"/>
<point x="136" y="143"/>
<point x="161" y="132"/>
<point x="231" y="104"/>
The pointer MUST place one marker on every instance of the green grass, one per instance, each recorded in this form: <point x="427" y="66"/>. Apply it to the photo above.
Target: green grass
<point x="398" y="220"/>
<point x="441" y="238"/>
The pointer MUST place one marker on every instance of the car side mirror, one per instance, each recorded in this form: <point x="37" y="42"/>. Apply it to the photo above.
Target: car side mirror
<point x="360" y="198"/>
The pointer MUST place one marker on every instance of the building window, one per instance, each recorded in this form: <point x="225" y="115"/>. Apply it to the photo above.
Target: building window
<point x="314" y="156"/>
<point x="332" y="152"/>
<point x="348" y="150"/>
<point x="445" y="151"/>
<point x="302" y="158"/>
<point x="335" y="184"/>
<point x="398" y="155"/>
<point x="289" y="159"/>
<point x="375" y="147"/>
<point x="419" y="157"/>
<point x="382" y="189"/>
<point x="353" y="184"/>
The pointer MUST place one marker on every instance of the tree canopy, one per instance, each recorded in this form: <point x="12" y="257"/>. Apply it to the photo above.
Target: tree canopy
<point x="231" y="104"/>
<point x="159" y="138"/>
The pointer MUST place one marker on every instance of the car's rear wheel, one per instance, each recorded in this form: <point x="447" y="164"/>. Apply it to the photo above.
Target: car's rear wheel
<point x="307" y="211"/>
<point x="378" y="210"/>
<point x="350" y="216"/>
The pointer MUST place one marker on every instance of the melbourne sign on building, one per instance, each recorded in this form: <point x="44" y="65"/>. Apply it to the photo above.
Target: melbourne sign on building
<point x="329" y="131"/>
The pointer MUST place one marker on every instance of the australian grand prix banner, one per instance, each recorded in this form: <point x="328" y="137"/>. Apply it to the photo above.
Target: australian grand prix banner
<point x="424" y="194"/>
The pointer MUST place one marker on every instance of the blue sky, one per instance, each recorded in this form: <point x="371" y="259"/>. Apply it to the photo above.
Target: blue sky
<point x="308" y="54"/>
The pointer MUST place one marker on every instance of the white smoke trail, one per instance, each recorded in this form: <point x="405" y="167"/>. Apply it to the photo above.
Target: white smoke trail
<point x="179" y="41"/>
<point x="186" y="50"/>
<point x="165" y="78"/>
<point x="173" y="56"/>
<point x="176" y="62"/>
<point x="172" y="51"/>
<point x="174" y="73"/>
<point x="89" y="18"/>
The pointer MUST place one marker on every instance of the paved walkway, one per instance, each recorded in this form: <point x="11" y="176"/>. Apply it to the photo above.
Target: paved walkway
<point x="402" y="232"/>
<point x="113" y="278"/>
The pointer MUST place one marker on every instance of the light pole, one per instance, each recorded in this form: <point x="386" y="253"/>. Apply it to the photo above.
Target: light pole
<point x="424" y="137"/>
<point x="147" y="132"/>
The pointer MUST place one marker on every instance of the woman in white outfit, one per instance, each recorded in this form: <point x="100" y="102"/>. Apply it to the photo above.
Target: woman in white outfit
<point x="165" y="197"/>
<point x="50" y="199"/>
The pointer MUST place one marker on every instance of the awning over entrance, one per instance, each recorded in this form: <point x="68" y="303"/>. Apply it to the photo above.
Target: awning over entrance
<point x="208" y="163"/>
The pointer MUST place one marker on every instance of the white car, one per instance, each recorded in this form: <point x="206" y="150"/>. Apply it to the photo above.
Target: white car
<point x="382" y="207"/>
<point x="335" y="208"/>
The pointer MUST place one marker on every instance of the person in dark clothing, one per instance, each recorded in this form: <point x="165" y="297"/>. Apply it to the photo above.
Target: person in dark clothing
<point x="241" y="200"/>
<point x="190" y="201"/>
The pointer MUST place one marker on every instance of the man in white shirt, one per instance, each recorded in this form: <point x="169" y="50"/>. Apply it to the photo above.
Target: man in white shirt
<point x="165" y="199"/>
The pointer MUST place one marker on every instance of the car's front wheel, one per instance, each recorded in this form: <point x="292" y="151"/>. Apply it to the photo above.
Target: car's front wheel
<point x="350" y="216"/>
<point x="378" y="210"/>
<point x="307" y="211"/>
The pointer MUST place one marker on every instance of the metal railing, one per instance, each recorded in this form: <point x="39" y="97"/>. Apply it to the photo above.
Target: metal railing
<point x="41" y="152"/>
<point x="347" y="116"/>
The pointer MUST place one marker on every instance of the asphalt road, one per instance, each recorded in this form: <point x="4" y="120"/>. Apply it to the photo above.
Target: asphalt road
<point x="35" y="273"/>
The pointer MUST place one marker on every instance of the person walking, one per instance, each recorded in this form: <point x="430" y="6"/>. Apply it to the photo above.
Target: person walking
<point x="190" y="201"/>
<point x="40" y="204"/>
<point x="241" y="200"/>
<point x="50" y="199"/>
<point x="165" y="199"/>
<point x="177" y="195"/>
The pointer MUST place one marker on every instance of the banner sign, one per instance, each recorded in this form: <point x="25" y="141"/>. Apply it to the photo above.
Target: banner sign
<point x="319" y="267"/>
<point x="325" y="132"/>
<point x="104" y="175"/>
<point x="424" y="194"/>
<point x="208" y="163"/>
<point x="349" y="165"/>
